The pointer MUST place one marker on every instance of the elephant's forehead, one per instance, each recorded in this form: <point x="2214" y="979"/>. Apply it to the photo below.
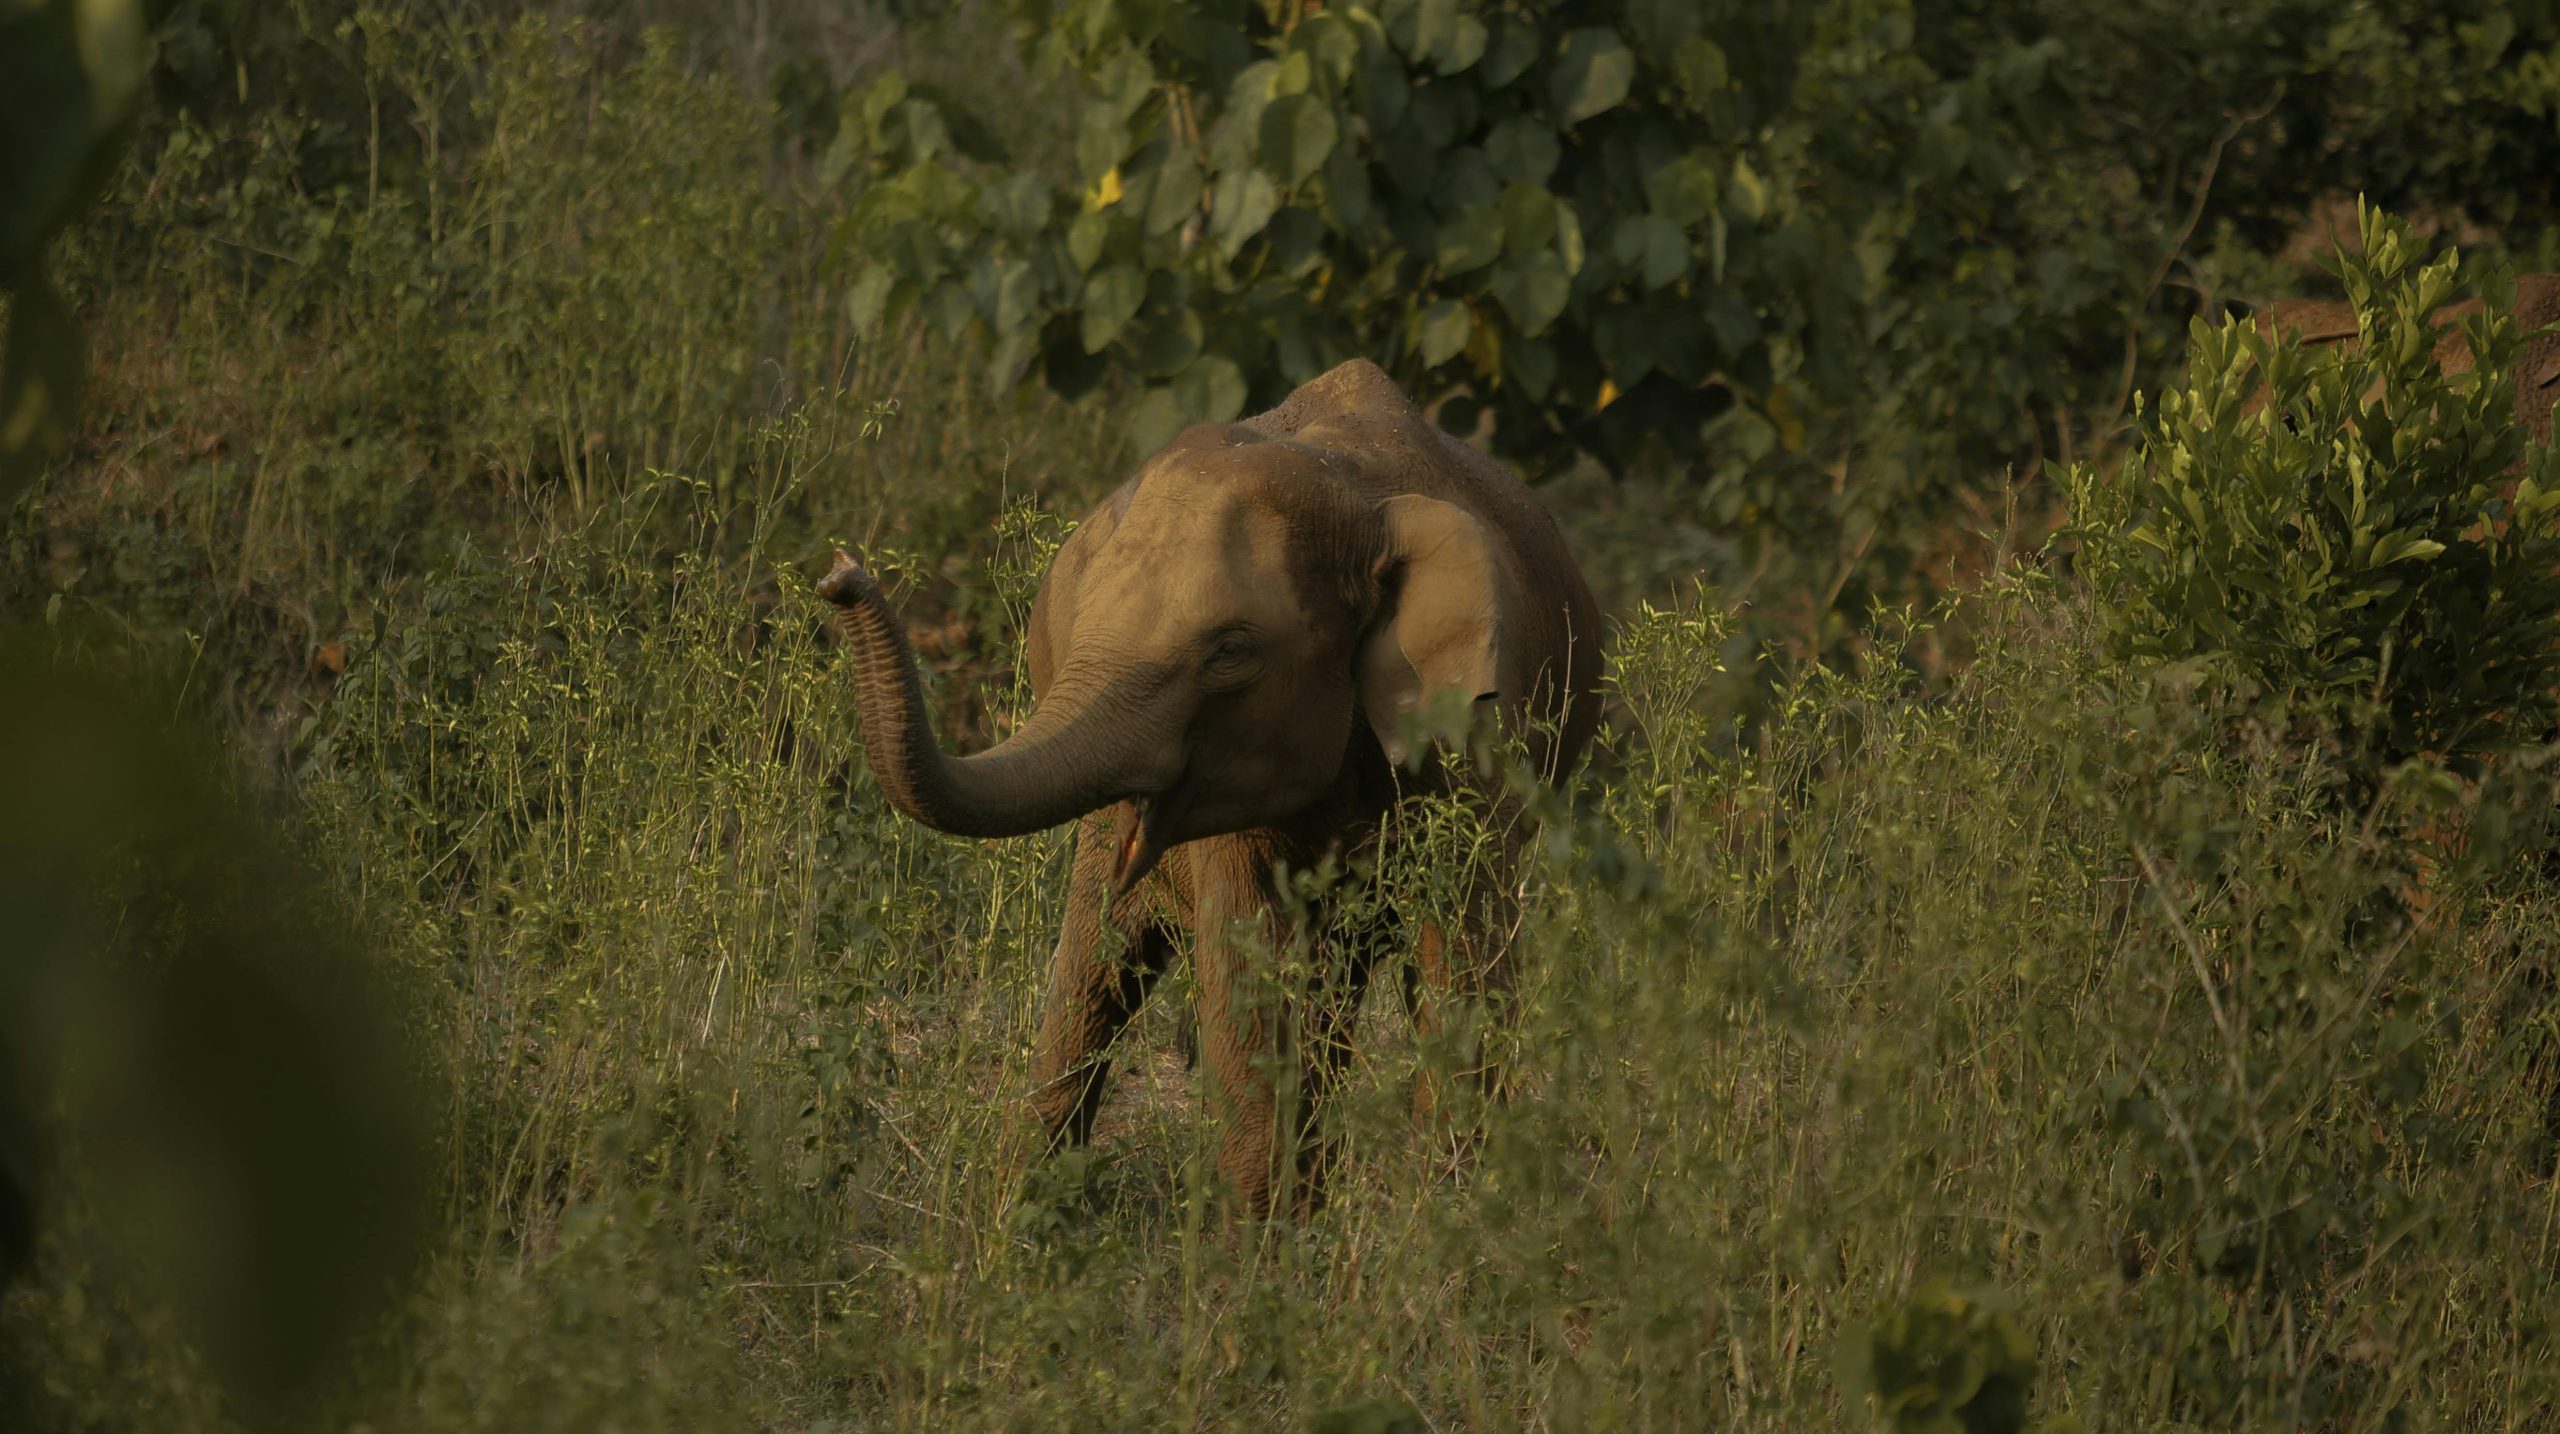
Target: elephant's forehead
<point x="1190" y="554"/>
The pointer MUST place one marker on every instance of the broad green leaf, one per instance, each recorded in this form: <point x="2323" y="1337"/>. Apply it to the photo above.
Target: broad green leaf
<point x="1154" y="419"/>
<point x="1333" y="41"/>
<point x="1085" y="238"/>
<point x="1508" y="54"/>
<point x="1522" y="150"/>
<point x="1295" y="76"/>
<point x="1469" y="240"/>
<point x="1532" y="289"/>
<point x="1175" y="196"/>
<point x="70" y="75"/>
<point x="1653" y="248"/>
<point x="1111" y="299"/>
<point x="1347" y="194"/>
<point x="1528" y="218"/>
<point x="1212" y="390"/>
<point x="1591" y="75"/>
<point x="1239" y="206"/>
<point x="1421" y="28"/>
<point x="868" y="300"/>
<point x="950" y="308"/>
<point x="1443" y="331"/>
<point x="1168" y="341"/>
<point x="1749" y="194"/>
<point x="1701" y="68"/>
<point x="1466" y="45"/>
<point x="1296" y="237"/>
<point x="1569" y="237"/>
<point x="1012" y="356"/>
<point x="1531" y="364"/>
<point x="1298" y="132"/>
<point x="1017" y="205"/>
<point x="1016" y="293"/>
<point x="1683" y="190"/>
<point x="1662" y="26"/>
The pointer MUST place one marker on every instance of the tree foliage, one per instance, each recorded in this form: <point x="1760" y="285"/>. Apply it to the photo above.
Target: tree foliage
<point x="1839" y="261"/>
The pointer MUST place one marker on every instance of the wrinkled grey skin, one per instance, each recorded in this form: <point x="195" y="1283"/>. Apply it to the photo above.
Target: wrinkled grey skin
<point x="1221" y="659"/>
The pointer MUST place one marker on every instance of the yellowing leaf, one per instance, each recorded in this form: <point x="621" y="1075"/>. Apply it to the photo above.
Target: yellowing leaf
<point x="1105" y="191"/>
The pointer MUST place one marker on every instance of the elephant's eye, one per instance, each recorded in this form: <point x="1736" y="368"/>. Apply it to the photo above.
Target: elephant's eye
<point x="1230" y="654"/>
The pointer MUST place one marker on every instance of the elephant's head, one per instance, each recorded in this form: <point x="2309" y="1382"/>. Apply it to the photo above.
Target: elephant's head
<point x="1209" y="645"/>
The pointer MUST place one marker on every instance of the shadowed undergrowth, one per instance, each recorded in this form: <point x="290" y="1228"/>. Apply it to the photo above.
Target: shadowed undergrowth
<point x="2003" y="989"/>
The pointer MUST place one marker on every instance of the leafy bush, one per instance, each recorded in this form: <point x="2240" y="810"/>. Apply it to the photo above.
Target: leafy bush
<point x="2365" y="539"/>
<point x="1837" y="264"/>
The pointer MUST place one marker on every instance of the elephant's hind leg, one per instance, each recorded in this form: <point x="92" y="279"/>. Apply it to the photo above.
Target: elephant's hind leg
<point x="1098" y="978"/>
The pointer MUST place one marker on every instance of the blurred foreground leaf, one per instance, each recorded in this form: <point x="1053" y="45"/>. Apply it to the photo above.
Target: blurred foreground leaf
<point x="70" y="74"/>
<point x="189" y="1039"/>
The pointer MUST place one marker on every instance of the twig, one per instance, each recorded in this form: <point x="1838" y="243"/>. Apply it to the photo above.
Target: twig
<point x="2195" y="215"/>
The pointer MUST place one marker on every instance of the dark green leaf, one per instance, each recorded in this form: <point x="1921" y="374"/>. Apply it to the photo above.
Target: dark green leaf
<point x="1168" y="341"/>
<point x="1683" y="191"/>
<point x="1175" y="194"/>
<point x="1298" y="132"/>
<point x="1085" y="238"/>
<point x="1239" y="206"/>
<point x="1017" y="205"/>
<point x="1528" y="218"/>
<point x="1443" y="332"/>
<point x="1465" y="47"/>
<point x="1522" y="150"/>
<point x="949" y="308"/>
<point x="1111" y="299"/>
<point x="1012" y="356"/>
<point x="1701" y="68"/>
<point x="1653" y="248"/>
<point x="1532" y="289"/>
<point x="1296" y="237"/>
<point x="1662" y="26"/>
<point x="1016" y="295"/>
<point x="1154" y="419"/>
<point x="867" y="302"/>
<point x="1469" y="240"/>
<point x="1347" y="194"/>
<point x="1212" y="390"/>
<point x="1509" y="53"/>
<point x="1531" y="364"/>
<point x="1591" y="76"/>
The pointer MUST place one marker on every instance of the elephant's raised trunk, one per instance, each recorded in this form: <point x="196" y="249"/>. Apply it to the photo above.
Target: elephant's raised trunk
<point x="1060" y="766"/>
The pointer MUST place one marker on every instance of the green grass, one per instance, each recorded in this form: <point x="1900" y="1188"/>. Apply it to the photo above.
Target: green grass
<point x="2005" y="982"/>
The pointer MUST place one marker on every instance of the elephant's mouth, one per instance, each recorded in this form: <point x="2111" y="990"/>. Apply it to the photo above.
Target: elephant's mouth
<point x="1151" y="835"/>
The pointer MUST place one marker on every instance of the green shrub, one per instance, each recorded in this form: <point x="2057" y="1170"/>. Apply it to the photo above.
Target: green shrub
<point x="1835" y="269"/>
<point x="2373" y="547"/>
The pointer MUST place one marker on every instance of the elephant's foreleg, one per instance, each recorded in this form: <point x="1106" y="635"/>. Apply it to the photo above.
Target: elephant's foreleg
<point x="1464" y="971"/>
<point x="1273" y="1053"/>
<point x="1331" y="1014"/>
<point x="1098" y="978"/>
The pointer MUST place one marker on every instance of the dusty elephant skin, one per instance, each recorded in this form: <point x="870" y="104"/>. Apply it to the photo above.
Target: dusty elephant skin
<point x="1221" y="658"/>
<point x="2325" y="323"/>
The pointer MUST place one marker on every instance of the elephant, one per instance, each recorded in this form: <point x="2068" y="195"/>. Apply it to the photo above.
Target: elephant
<point x="2323" y="323"/>
<point x="1222" y="659"/>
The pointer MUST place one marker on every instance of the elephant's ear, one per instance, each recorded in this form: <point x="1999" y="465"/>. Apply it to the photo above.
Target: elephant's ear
<point x="1443" y="628"/>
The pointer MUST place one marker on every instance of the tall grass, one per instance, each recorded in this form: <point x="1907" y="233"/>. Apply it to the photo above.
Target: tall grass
<point x="2004" y="987"/>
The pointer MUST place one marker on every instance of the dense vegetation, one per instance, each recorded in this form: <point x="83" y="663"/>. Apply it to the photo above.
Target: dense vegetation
<point x="2065" y="1005"/>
